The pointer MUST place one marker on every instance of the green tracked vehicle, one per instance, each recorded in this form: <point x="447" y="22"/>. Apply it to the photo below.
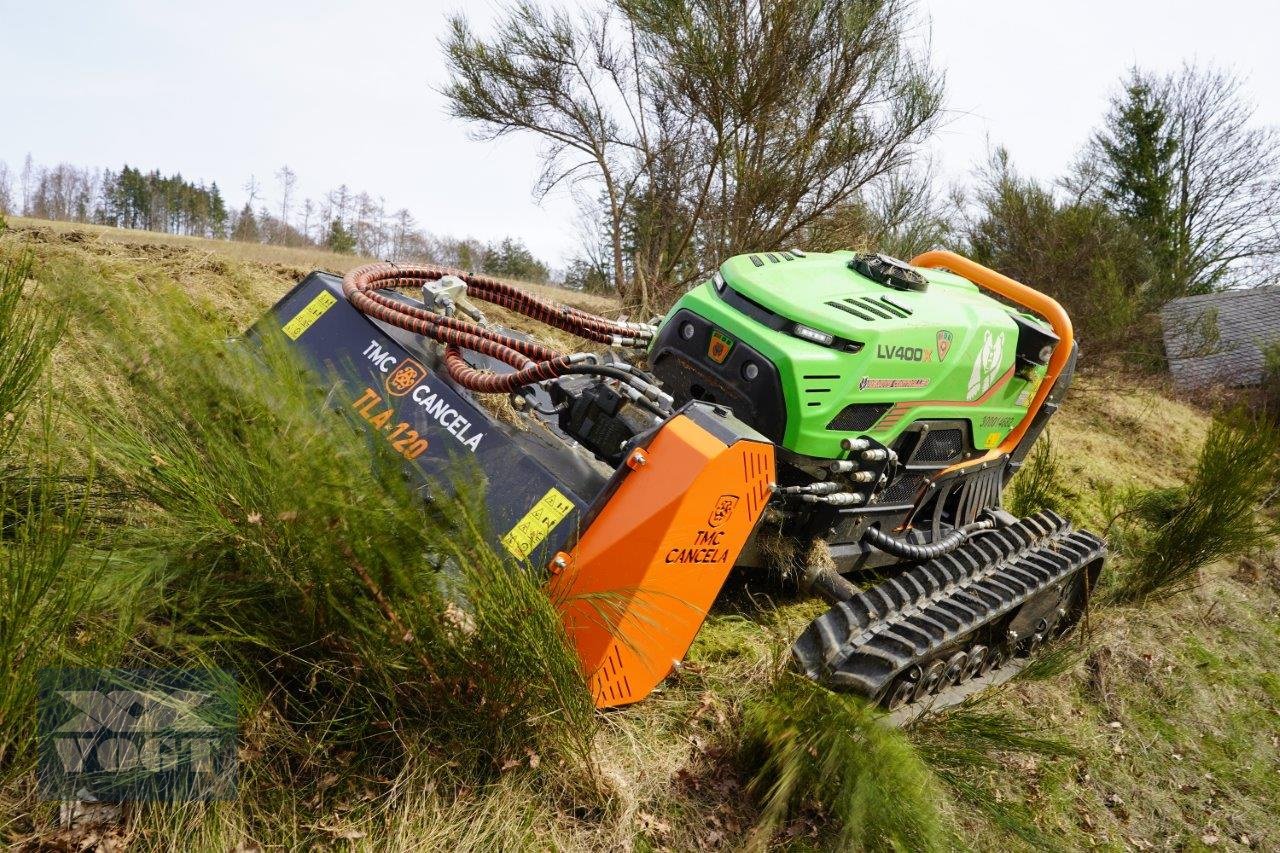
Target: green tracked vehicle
<point x="852" y="343"/>
<point x="844" y="360"/>
<point x="846" y="419"/>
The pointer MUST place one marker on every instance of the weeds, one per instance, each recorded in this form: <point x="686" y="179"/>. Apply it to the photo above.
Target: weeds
<point x="28" y="332"/>
<point x="1168" y="535"/>
<point x="373" y="635"/>
<point x="818" y="749"/>
<point x="1039" y="483"/>
<point x="969" y="746"/>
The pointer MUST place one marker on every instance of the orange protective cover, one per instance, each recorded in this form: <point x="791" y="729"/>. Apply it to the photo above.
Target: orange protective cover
<point x="638" y="584"/>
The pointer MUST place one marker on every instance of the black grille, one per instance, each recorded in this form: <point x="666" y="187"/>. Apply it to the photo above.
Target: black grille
<point x="869" y="308"/>
<point x="903" y="490"/>
<point x="940" y="445"/>
<point x="858" y="417"/>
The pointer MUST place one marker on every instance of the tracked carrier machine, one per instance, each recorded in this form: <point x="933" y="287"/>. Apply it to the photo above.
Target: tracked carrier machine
<point x="850" y="420"/>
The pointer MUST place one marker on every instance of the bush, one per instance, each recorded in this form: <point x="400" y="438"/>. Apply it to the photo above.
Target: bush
<point x="1168" y="535"/>
<point x="818" y="749"/>
<point x="281" y="550"/>
<point x="48" y="568"/>
<point x="1088" y="258"/>
<point x="46" y="583"/>
<point x="1038" y="485"/>
<point x="29" y="329"/>
<point x="1271" y="381"/>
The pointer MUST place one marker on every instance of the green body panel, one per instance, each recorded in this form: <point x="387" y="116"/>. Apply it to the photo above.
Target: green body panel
<point x="946" y="356"/>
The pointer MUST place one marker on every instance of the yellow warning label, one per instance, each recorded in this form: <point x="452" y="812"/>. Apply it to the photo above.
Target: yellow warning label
<point x="529" y="531"/>
<point x="323" y="301"/>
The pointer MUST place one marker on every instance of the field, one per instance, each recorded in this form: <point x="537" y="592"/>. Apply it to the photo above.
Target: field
<point x="1158" y="728"/>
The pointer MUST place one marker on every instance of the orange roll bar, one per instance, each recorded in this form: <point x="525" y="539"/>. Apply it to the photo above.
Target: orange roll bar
<point x="1027" y="297"/>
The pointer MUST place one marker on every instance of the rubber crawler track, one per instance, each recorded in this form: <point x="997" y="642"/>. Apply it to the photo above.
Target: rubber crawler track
<point x="862" y="645"/>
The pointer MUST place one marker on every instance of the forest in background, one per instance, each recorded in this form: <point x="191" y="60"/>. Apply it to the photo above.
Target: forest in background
<point x="812" y="132"/>
<point x="343" y="220"/>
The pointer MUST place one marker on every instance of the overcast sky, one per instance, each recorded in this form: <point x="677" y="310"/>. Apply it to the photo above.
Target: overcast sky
<point x="345" y="92"/>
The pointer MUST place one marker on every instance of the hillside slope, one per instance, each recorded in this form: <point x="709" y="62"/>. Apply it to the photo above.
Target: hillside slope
<point x="1175" y="708"/>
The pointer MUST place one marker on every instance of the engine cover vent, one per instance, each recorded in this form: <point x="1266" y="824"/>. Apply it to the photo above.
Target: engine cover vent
<point x="858" y="417"/>
<point x="903" y="490"/>
<point x="941" y="445"/>
<point x="871" y="308"/>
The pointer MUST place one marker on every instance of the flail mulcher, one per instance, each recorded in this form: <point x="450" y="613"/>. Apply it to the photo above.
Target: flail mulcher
<point x="858" y="410"/>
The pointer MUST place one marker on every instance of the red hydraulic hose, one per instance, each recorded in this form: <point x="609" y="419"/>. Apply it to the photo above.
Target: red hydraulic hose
<point x="533" y="362"/>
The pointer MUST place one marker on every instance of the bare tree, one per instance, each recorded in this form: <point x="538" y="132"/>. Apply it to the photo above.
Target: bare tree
<point x="1227" y="202"/>
<point x="29" y="177"/>
<point x="339" y="201"/>
<point x="288" y="180"/>
<point x="308" y="211"/>
<point x="404" y="228"/>
<point x="709" y="126"/>
<point x="6" y="188"/>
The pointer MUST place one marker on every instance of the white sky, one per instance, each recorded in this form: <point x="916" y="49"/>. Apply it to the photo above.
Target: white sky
<point x="345" y="92"/>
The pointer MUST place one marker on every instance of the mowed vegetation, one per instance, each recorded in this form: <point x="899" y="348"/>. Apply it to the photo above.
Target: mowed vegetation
<point x="169" y="503"/>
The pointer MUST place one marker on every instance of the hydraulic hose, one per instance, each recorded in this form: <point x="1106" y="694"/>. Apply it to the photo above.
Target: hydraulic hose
<point x="532" y="361"/>
<point x="829" y="584"/>
<point x="910" y="551"/>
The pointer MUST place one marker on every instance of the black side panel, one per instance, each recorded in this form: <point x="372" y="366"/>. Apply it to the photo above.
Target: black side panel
<point x="687" y="372"/>
<point x="393" y="396"/>
<point x="1041" y="418"/>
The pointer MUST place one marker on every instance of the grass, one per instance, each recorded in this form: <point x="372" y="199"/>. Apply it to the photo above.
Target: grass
<point x="219" y="255"/>
<point x="1039" y="484"/>
<point x="819" y="750"/>
<point x="1168" y="535"/>
<point x="196" y="557"/>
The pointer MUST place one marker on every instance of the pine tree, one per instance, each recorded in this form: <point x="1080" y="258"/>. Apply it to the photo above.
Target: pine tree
<point x="340" y="239"/>
<point x="246" y="229"/>
<point x="1137" y="167"/>
<point x="217" y="212"/>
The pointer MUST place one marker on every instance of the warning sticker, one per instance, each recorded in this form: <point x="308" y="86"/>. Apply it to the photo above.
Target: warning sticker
<point x="529" y="531"/>
<point x="323" y="301"/>
<point x="719" y="347"/>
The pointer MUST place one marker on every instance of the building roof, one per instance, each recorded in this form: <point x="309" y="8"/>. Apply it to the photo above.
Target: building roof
<point x="1218" y="338"/>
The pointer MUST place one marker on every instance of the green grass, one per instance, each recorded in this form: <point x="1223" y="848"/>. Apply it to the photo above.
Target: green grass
<point x="28" y="332"/>
<point x="814" y="749"/>
<point x="215" y="520"/>
<point x="1040" y="483"/>
<point x="1168" y="535"/>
